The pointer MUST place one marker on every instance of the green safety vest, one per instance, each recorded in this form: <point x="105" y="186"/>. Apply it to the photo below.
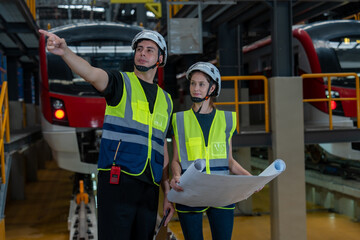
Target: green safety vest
<point x="191" y="144"/>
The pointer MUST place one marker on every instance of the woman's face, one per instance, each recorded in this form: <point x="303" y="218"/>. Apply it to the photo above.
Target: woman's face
<point x="199" y="85"/>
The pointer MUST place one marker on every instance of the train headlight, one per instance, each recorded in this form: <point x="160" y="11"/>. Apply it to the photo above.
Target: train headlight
<point x="59" y="112"/>
<point x="334" y="94"/>
<point x="57" y="104"/>
<point x="336" y="106"/>
<point x="333" y="105"/>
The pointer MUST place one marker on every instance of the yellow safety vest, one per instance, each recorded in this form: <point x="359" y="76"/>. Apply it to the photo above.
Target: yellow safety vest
<point x="191" y="144"/>
<point x="141" y="134"/>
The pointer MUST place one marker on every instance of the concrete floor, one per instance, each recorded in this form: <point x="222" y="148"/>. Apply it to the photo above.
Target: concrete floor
<point x="43" y="214"/>
<point x="320" y="226"/>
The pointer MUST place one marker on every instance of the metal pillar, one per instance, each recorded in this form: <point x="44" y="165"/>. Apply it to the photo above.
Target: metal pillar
<point x="281" y="35"/>
<point x="13" y="88"/>
<point x="228" y="50"/>
<point x="141" y="15"/>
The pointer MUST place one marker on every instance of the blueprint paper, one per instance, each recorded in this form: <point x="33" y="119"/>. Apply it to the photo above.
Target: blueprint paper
<point x="201" y="189"/>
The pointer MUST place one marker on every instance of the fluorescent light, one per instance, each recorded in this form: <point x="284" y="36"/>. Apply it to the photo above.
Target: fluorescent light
<point x="150" y="14"/>
<point x="83" y="7"/>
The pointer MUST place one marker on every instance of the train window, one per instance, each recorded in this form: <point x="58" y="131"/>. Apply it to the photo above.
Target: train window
<point x="57" y="68"/>
<point x="107" y="57"/>
<point x="63" y="80"/>
<point x="347" y="50"/>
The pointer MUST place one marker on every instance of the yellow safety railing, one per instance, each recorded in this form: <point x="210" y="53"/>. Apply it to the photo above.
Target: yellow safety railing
<point x="329" y="98"/>
<point x="355" y="16"/>
<point x="5" y="127"/>
<point x="32" y="7"/>
<point x="237" y="102"/>
<point x="175" y="8"/>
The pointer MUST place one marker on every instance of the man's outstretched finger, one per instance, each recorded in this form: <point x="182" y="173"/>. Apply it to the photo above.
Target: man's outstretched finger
<point x="46" y="33"/>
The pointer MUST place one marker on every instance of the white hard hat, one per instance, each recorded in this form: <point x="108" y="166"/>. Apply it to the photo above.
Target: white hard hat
<point x="210" y="70"/>
<point x="154" y="36"/>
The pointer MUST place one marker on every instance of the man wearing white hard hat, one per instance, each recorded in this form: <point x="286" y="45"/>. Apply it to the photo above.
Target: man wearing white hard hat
<point x="133" y="159"/>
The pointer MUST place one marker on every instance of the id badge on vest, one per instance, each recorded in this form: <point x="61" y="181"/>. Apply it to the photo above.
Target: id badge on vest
<point x="115" y="170"/>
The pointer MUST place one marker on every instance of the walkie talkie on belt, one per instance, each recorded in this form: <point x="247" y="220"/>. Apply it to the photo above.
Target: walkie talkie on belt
<point x="115" y="170"/>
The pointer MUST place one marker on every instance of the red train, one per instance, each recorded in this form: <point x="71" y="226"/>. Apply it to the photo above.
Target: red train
<point x="321" y="47"/>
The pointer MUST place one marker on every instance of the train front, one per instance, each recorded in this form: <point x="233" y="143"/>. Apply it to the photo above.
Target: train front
<point x="337" y="45"/>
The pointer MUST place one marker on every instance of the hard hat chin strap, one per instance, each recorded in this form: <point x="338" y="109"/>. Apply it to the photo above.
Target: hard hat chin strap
<point x="145" y="69"/>
<point x="197" y="100"/>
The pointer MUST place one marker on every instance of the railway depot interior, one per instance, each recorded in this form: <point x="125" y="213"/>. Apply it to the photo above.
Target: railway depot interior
<point x="222" y="32"/>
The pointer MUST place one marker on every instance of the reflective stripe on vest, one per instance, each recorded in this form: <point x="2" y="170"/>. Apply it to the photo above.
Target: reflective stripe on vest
<point x="191" y="144"/>
<point x="140" y="133"/>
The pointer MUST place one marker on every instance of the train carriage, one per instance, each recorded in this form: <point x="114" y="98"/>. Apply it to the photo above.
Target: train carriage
<point x="321" y="47"/>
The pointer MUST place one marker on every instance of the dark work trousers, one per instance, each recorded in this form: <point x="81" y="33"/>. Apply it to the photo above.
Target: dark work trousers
<point x="221" y="224"/>
<point x="128" y="210"/>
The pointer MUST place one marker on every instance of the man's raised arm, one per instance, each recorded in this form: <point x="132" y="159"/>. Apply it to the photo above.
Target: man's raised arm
<point x="96" y="76"/>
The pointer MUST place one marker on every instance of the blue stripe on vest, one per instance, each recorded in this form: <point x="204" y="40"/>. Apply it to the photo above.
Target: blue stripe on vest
<point x="117" y="128"/>
<point x="217" y="169"/>
<point x="157" y="140"/>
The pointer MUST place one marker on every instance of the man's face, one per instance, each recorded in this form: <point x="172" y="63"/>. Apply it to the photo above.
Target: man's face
<point x="146" y="53"/>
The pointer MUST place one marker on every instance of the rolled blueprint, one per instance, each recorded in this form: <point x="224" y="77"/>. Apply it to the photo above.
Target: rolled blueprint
<point x="201" y="189"/>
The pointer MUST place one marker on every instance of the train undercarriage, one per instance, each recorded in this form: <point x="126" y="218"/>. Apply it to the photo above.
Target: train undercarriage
<point x="316" y="158"/>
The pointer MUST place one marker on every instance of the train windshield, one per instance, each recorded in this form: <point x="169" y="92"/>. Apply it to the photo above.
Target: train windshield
<point x="347" y="50"/>
<point x="63" y="80"/>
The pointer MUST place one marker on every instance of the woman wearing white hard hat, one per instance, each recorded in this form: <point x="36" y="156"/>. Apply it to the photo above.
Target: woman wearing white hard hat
<point x="203" y="132"/>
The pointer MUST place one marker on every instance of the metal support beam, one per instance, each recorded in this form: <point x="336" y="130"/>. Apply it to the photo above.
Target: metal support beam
<point x="12" y="69"/>
<point x="154" y="8"/>
<point x="252" y="139"/>
<point x="141" y="15"/>
<point x="282" y="52"/>
<point x="264" y="139"/>
<point x="228" y="51"/>
<point x="332" y="136"/>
